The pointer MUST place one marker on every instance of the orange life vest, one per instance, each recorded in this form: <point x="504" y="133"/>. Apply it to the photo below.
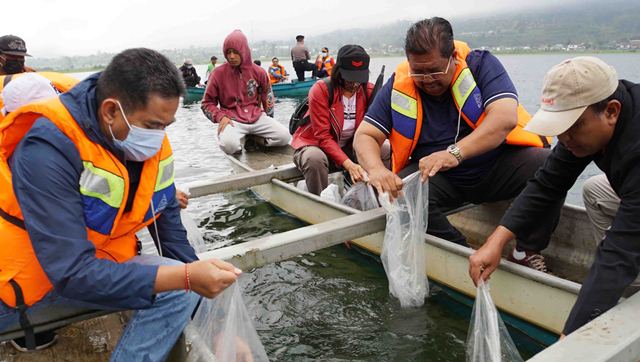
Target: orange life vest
<point x="407" y="113"/>
<point x="61" y="82"/>
<point x="104" y="187"/>
<point x="279" y="70"/>
<point x="327" y="62"/>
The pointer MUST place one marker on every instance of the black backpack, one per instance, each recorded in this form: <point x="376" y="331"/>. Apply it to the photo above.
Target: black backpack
<point x="301" y="116"/>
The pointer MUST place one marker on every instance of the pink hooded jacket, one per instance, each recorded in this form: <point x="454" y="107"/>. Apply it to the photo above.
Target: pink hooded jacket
<point x="239" y="92"/>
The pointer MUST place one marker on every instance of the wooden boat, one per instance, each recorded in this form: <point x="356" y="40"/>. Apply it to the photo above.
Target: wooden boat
<point x="293" y="89"/>
<point x="523" y="295"/>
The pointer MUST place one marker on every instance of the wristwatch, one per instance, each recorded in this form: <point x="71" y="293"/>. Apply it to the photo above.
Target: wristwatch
<point x="455" y="151"/>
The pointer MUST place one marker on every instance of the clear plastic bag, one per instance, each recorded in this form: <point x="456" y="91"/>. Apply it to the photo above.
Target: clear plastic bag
<point x="224" y="327"/>
<point x="403" y="251"/>
<point x="193" y="233"/>
<point x="331" y="193"/>
<point x="360" y="197"/>
<point x="488" y="339"/>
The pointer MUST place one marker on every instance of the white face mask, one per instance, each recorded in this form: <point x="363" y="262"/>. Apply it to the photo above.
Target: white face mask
<point x="324" y="54"/>
<point x="141" y="144"/>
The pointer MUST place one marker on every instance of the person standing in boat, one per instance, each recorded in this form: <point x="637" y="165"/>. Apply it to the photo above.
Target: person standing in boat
<point x="81" y="173"/>
<point x="300" y="58"/>
<point x="189" y="74"/>
<point x="277" y="73"/>
<point x="239" y="99"/>
<point x="326" y="141"/>
<point x="596" y="118"/>
<point x="210" y="67"/>
<point x="324" y="63"/>
<point x="452" y="113"/>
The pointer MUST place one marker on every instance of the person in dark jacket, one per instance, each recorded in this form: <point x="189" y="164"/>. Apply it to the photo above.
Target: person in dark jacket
<point x="326" y="141"/>
<point x="80" y="219"/>
<point x="189" y="74"/>
<point x="596" y="118"/>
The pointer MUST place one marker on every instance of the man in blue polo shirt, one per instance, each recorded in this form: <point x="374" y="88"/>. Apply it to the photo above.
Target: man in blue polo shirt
<point x="452" y="113"/>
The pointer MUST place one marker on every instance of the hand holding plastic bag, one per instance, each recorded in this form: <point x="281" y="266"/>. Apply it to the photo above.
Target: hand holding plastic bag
<point x="403" y="251"/>
<point x="225" y="328"/>
<point x="488" y="339"/>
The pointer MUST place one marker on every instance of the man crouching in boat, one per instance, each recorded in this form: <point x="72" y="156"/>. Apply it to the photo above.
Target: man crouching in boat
<point x="452" y="113"/>
<point x="235" y="92"/>
<point x="596" y="118"/>
<point x="80" y="174"/>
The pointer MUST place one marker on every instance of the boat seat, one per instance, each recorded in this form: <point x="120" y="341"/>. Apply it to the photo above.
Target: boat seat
<point x="53" y="317"/>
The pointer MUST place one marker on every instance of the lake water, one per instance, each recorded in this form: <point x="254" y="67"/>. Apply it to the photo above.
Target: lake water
<point x="333" y="304"/>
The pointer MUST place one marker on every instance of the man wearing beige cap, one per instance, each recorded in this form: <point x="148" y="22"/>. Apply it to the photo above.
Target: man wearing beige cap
<point x="596" y="118"/>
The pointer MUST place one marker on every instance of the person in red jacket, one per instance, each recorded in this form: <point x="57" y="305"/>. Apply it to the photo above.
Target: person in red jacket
<point x="327" y="139"/>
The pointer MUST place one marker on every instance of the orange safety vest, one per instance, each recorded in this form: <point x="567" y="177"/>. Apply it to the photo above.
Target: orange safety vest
<point x="279" y="70"/>
<point x="104" y="186"/>
<point x="61" y="82"/>
<point x="328" y="64"/>
<point x="407" y="113"/>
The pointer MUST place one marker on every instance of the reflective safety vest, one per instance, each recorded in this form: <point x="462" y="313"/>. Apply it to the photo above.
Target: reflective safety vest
<point x="407" y="113"/>
<point x="279" y="70"/>
<point x="328" y="64"/>
<point x="104" y="187"/>
<point x="61" y="82"/>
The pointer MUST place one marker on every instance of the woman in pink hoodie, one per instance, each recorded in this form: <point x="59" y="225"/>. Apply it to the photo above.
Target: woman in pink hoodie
<point x="239" y="99"/>
<point x="326" y="141"/>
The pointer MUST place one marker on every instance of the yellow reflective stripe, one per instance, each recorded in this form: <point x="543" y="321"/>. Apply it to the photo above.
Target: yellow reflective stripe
<point x="463" y="86"/>
<point x="165" y="174"/>
<point x="101" y="184"/>
<point x="404" y="104"/>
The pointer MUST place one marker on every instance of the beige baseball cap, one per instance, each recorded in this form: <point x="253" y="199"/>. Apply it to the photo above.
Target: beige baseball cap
<point x="569" y="88"/>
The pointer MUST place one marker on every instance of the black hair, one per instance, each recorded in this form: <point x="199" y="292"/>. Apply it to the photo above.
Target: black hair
<point x="135" y="74"/>
<point x="601" y="106"/>
<point x="299" y="37"/>
<point x="429" y="34"/>
<point x="336" y="77"/>
<point x="213" y="57"/>
<point x="257" y="62"/>
<point x="275" y="58"/>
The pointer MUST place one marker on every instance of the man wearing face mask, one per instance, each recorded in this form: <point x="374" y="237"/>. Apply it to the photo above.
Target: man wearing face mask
<point x="12" y="52"/>
<point x="453" y="114"/>
<point x="324" y="63"/>
<point x="189" y="74"/>
<point x="336" y="108"/>
<point x="81" y="174"/>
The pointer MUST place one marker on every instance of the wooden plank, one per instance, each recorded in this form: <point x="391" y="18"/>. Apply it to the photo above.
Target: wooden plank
<point x="243" y="181"/>
<point x="273" y="248"/>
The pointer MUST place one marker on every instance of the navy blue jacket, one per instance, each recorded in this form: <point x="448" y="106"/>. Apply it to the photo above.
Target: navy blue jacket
<point x="46" y="168"/>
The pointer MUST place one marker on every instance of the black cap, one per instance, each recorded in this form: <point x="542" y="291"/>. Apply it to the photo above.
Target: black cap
<point x="13" y="45"/>
<point x="354" y="63"/>
<point x="299" y="37"/>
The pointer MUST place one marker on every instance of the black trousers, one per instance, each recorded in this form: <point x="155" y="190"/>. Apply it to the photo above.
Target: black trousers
<point x="504" y="181"/>
<point x="301" y="66"/>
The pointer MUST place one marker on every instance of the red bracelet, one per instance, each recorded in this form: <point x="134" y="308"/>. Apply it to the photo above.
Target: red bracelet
<point x="187" y="282"/>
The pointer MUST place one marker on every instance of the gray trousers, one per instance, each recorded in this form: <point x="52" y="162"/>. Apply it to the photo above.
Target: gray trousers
<point x="315" y="167"/>
<point x="233" y="136"/>
<point x="601" y="203"/>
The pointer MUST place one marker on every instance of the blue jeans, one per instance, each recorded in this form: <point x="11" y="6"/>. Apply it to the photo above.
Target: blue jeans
<point x="151" y="332"/>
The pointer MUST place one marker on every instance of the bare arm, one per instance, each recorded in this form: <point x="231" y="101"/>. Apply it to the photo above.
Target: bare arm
<point x="500" y="119"/>
<point x="367" y="143"/>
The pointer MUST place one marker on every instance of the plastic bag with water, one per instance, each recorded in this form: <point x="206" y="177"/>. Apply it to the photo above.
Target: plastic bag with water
<point x="224" y="327"/>
<point x="488" y="339"/>
<point x="361" y="197"/>
<point x="403" y="251"/>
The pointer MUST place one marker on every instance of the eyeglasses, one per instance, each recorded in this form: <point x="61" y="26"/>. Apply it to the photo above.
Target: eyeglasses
<point x="430" y="76"/>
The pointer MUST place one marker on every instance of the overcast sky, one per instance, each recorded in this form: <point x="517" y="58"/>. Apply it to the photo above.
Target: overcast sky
<point x="73" y="27"/>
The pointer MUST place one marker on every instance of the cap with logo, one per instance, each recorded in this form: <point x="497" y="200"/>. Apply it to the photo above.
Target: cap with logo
<point x="569" y="88"/>
<point x="353" y="61"/>
<point x="13" y="45"/>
